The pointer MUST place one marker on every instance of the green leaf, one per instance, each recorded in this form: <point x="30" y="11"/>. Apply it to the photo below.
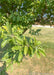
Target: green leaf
<point x="3" y="44"/>
<point x="42" y="52"/>
<point x="29" y="52"/>
<point x="32" y="51"/>
<point x="25" y="50"/>
<point x="9" y="27"/>
<point x="38" y="1"/>
<point x="35" y="41"/>
<point x="19" y="39"/>
<point x="32" y="3"/>
<point x="18" y="18"/>
<point x="38" y="43"/>
<point x="20" y="56"/>
<point x="14" y="18"/>
<point x="15" y="48"/>
<point x="38" y="54"/>
<point x="31" y="40"/>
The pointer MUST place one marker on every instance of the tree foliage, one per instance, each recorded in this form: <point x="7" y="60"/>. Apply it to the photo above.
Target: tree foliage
<point x="16" y="16"/>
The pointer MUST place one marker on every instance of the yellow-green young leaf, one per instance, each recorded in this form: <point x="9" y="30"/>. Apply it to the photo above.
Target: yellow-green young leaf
<point x="42" y="52"/>
<point x="38" y="43"/>
<point x="3" y="44"/>
<point x="32" y="3"/>
<point x="38" y="1"/>
<point x="20" y="56"/>
<point x="15" y="48"/>
<point x="5" y="27"/>
<point x="25" y="50"/>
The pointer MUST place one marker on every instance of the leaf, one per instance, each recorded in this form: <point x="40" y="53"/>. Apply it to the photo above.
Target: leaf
<point x="32" y="51"/>
<point x="32" y="3"/>
<point x="15" y="48"/>
<point x="42" y="1"/>
<point x="35" y="41"/>
<point x="38" y="54"/>
<point x="38" y="43"/>
<point x="38" y="1"/>
<point x="5" y="58"/>
<point x="29" y="52"/>
<point x="5" y="27"/>
<point x="3" y="44"/>
<point x="14" y="18"/>
<point x="18" y="18"/>
<point x="19" y="39"/>
<point x="20" y="56"/>
<point x="42" y="52"/>
<point x="31" y="40"/>
<point x="9" y="27"/>
<point x="25" y="50"/>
